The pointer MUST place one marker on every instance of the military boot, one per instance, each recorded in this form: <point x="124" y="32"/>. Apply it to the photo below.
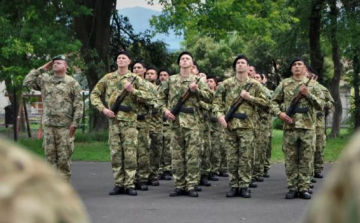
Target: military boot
<point x="244" y="192"/>
<point x="310" y="191"/>
<point x="154" y="182"/>
<point x="259" y="179"/>
<point x="131" y="191"/>
<point x="224" y="173"/>
<point x="253" y="184"/>
<point x="213" y="177"/>
<point x="167" y="175"/>
<point x="313" y="180"/>
<point x="177" y="192"/>
<point x="266" y="174"/>
<point x="204" y="181"/>
<point x="305" y="195"/>
<point x="291" y="194"/>
<point x="192" y="193"/>
<point x="143" y="186"/>
<point x="117" y="190"/>
<point x="318" y="175"/>
<point x="197" y="188"/>
<point x="311" y="186"/>
<point x="233" y="192"/>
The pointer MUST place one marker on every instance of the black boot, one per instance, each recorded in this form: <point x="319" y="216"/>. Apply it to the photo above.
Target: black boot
<point x="197" y="188"/>
<point x="143" y="186"/>
<point x="177" y="192"/>
<point x="154" y="182"/>
<point x="204" y="181"/>
<point x="253" y="184"/>
<point x="291" y="194"/>
<point x="305" y="195"/>
<point x="311" y="186"/>
<point x="131" y="191"/>
<point x="213" y="177"/>
<point x="266" y="174"/>
<point x="117" y="190"/>
<point x="224" y="173"/>
<point x="167" y="175"/>
<point x="310" y="191"/>
<point x="313" y="180"/>
<point x="259" y="179"/>
<point x="192" y="193"/>
<point x="318" y="175"/>
<point x="233" y="192"/>
<point x="244" y="192"/>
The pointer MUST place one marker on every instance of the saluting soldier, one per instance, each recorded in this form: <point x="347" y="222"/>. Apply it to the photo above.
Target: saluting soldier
<point x="63" y="109"/>
<point x="299" y="129"/>
<point x="123" y="135"/>
<point x="185" y="126"/>
<point x="240" y="128"/>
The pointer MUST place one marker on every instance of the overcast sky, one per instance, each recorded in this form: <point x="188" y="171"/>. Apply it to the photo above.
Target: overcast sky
<point x="133" y="3"/>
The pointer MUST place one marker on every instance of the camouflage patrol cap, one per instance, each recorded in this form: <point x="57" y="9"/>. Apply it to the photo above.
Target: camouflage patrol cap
<point x="59" y="57"/>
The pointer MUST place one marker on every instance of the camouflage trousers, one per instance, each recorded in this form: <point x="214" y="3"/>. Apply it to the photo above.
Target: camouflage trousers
<point x="217" y="155"/>
<point x="239" y="150"/>
<point x="165" y="164"/>
<point x="58" y="147"/>
<point x="143" y="155"/>
<point x="261" y="146"/>
<point x="319" y="151"/>
<point x="268" y="151"/>
<point x="185" y="146"/>
<point x="123" y="140"/>
<point x="299" y="148"/>
<point x="156" y="145"/>
<point x="205" y="165"/>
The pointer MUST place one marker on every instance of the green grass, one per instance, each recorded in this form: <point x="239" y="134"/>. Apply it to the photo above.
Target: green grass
<point x="94" y="147"/>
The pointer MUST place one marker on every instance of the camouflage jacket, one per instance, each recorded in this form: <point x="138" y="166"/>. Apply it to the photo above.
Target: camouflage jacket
<point x="229" y="91"/>
<point x="111" y="86"/>
<point x="62" y="99"/>
<point x="264" y="112"/>
<point x="156" y="117"/>
<point x="328" y="102"/>
<point x="173" y="89"/>
<point x="145" y="108"/>
<point x="286" y="92"/>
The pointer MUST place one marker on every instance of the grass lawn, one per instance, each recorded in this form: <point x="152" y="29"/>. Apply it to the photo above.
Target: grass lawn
<point x="94" y="147"/>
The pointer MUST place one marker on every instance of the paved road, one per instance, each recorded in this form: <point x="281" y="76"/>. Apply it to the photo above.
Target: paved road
<point x="93" y="181"/>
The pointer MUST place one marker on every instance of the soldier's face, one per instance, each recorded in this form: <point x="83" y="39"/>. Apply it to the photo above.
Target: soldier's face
<point x="194" y="70"/>
<point x="151" y="75"/>
<point x="186" y="61"/>
<point x="298" y="68"/>
<point x="163" y="76"/>
<point x="257" y="77"/>
<point x="123" y="61"/>
<point x="252" y="71"/>
<point x="59" y="66"/>
<point x="242" y="66"/>
<point x="139" y="69"/>
<point x="211" y="83"/>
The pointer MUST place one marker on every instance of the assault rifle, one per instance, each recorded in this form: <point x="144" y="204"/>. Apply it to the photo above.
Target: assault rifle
<point x="120" y="99"/>
<point x="236" y="104"/>
<point x="176" y="109"/>
<point x="295" y="101"/>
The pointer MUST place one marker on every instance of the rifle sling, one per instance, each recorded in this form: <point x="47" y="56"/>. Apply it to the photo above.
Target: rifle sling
<point x="240" y="115"/>
<point x="301" y="110"/>
<point x="187" y="110"/>
<point x="125" y="108"/>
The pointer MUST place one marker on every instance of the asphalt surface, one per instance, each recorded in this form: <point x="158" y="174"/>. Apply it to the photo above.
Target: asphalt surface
<point x="94" y="180"/>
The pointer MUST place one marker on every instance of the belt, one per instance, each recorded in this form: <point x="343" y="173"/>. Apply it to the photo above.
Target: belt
<point x="319" y="114"/>
<point x="187" y="110"/>
<point x="240" y="115"/>
<point x="301" y="110"/>
<point x="140" y="117"/>
<point x="154" y="112"/>
<point x="125" y="108"/>
<point x="213" y="119"/>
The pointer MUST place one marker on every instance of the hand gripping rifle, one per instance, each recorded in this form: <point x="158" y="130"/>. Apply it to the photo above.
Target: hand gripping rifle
<point x="176" y="109"/>
<point x="295" y="101"/>
<point x="236" y="104"/>
<point x="120" y="99"/>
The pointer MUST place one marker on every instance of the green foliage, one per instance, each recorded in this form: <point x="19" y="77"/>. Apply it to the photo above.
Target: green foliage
<point x="278" y="124"/>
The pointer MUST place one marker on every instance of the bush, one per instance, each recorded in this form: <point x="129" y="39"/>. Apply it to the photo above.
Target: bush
<point x="277" y="124"/>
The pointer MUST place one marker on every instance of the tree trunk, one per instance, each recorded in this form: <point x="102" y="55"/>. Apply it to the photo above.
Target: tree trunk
<point x="356" y="84"/>
<point x="94" y="33"/>
<point x="316" y="57"/>
<point x="335" y="82"/>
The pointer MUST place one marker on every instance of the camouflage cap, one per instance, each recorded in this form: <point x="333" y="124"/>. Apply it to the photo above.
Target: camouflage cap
<point x="59" y="57"/>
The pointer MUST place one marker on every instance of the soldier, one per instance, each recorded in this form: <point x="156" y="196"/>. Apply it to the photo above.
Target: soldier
<point x="165" y="168"/>
<point x="339" y="199"/>
<point x="32" y="192"/>
<point x="123" y="135"/>
<point x="240" y="128"/>
<point x="299" y="129"/>
<point x="155" y="122"/>
<point x="185" y="126"/>
<point x="143" y="147"/>
<point x="252" y="71"/>
<point x="320" y="127"/>
<point x="63" y="109"/>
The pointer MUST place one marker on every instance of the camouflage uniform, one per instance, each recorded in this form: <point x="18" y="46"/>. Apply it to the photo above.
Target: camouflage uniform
<point x="205" y="165"/>
<point x="339" y="199"/>
<point x="240" y="132"/>
<point x="269" y="145"/>
<point x="185" y="144"/>
<point x="123" y="135"/>
<point x="63" y="107"/>
<point x="165" y="164"/>
<point x="32" y="192"/>
<point x="217" y="147"/>
<point x="299" y="138"/>
<point x="320" y="130"/>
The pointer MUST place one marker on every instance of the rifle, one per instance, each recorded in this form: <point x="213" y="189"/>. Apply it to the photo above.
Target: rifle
<point x="236" y="104"/>
<point x="176" y="109"/>
<point x="120" y="99"/>
<point x="295" y="101"/>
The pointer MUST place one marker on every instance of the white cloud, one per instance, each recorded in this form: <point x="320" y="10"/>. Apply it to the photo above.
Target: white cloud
<point x="121" y="4"/>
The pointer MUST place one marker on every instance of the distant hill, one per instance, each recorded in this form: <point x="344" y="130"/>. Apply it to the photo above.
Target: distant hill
<point x="139" y="18"/>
